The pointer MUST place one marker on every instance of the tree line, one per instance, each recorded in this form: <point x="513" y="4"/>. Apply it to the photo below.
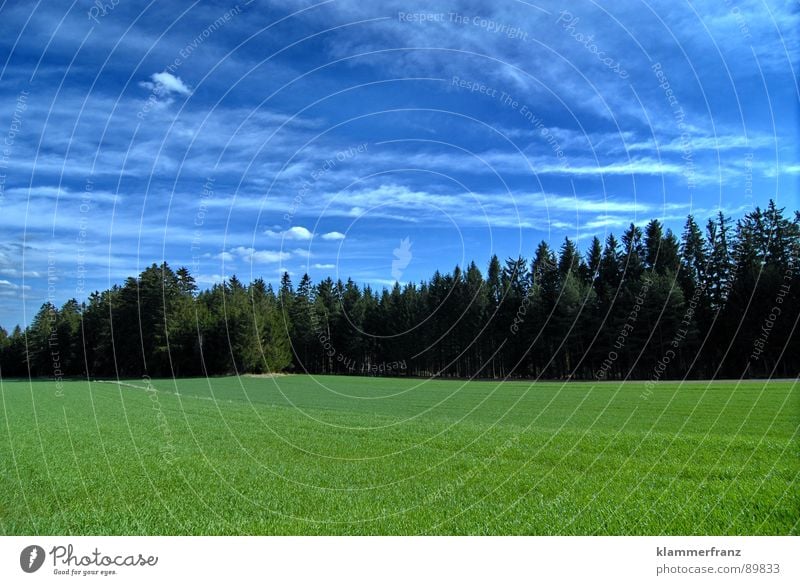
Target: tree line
<point x="715" y="302"/>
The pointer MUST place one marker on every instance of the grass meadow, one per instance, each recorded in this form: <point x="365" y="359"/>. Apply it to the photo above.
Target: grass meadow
<point x="349" y="455"/>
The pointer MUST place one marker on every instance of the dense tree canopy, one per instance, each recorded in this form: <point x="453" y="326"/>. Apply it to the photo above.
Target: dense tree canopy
<point x="650" y="305"/>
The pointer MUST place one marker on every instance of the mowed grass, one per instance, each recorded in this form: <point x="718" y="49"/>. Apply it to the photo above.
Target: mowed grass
<point x="346" y="455"/>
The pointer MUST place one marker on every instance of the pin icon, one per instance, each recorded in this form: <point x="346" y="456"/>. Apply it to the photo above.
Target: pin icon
<point x="31" y="558"/>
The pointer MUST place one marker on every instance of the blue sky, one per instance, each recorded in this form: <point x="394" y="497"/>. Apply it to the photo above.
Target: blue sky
<point x="254" y="138"/>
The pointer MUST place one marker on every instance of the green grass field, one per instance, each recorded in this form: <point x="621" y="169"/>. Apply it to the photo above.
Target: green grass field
<point x="342" y="455"/>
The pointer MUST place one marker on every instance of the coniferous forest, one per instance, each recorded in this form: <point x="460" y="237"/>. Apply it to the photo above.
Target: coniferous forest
<point x="719" y="300"/>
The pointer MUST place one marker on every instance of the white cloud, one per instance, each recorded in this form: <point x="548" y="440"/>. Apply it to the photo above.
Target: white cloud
<point x="706" y="143"/>
<point x="210" y="278"/>
<point x="643" y="166"/>
<point x="333" y="236"/>
<point x="10" y="289"/>
<point x="269" y="256"/>
<point x="260" y="256"/>
<point x="606" y="221"/>
<point x="166" y="83"/>
<point x="293" y="233"/>
<point x="324" y="266"/>
<point x="533" y="209"/>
